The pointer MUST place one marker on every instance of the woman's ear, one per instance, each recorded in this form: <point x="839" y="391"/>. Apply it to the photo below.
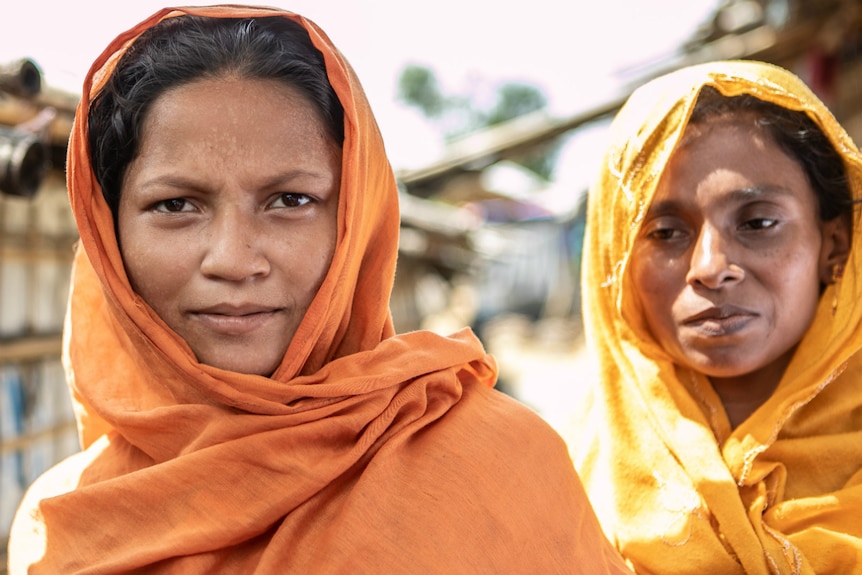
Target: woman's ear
<point x="834" y="249"/>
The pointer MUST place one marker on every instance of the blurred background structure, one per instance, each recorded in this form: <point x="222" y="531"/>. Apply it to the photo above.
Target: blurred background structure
<point x="491" y="224"/>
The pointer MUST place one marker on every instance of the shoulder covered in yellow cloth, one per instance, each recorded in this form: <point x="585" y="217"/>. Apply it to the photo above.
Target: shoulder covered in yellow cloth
<point x="365" y="452"/>
<point x="675" y="486"/>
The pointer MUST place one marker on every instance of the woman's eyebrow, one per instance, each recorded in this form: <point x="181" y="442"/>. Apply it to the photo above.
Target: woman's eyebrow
<point x="170" y="181"/>
<point x="663" y="207"/>
<point x="186" y="182"/>
<point x="753" y="193"/>
<point x="739" y="195"/>
<point x="292" y="175"/>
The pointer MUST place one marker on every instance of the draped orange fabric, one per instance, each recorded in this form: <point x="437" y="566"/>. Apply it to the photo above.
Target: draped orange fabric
<point x="676" y="489"/>
<point x="365" y="452"/>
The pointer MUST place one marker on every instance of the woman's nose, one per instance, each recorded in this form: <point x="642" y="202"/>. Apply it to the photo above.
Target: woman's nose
<point x="711" y="262"/>
<point x="233" y="249"/>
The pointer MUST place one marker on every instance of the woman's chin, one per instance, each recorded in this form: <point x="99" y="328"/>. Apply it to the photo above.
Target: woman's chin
<point x="241" y="363"/>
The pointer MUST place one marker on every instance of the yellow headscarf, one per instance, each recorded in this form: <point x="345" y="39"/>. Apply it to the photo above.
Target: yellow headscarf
<point x="365" y="452"/>
<point x="675" y="489"/>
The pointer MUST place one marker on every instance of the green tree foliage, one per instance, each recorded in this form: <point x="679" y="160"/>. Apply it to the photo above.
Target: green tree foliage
<point x="457" y="115"/>
<point x="418" y="87"/>
<point x="515" y="100"/>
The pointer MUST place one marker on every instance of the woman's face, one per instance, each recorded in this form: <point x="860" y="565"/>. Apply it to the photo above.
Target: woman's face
<point x="729" y="261"/>
<point x="227" y="218"/>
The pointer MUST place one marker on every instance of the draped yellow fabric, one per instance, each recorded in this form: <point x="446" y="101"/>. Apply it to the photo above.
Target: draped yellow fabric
<point x="675" y="488"/>
<point x="365" y="452"/>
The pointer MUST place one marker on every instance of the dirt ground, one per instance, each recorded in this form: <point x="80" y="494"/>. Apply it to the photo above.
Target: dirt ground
<point x="543" y="364"/>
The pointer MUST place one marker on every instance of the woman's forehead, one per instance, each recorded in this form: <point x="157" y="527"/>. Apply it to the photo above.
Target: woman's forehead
<point x="741" y="121"/>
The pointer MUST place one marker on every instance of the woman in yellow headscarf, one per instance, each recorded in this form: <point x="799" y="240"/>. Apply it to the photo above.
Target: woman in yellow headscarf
<point x="722" y="298"/>
<point x="243" y="401"/>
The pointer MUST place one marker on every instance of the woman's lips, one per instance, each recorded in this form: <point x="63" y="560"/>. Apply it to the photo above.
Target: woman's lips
<point x="720" y="321"/>
<point x="234" y="320"/>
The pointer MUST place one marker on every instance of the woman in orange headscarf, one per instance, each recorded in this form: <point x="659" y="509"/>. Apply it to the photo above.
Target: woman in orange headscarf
<point x="722" y="298"/>
<point x="243" y="401"/>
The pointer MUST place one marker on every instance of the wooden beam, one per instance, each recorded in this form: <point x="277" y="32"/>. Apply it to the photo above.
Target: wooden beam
<point x="26" y="441"/>
<point x="30" y="348"/>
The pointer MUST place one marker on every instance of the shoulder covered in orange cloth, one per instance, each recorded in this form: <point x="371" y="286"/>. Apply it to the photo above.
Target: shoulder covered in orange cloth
<point x="364" y="452"/>
<point x="676" y="487"/>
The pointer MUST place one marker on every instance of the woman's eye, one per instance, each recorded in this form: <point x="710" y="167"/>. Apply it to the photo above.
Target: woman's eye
<point x="666" y="227"/>
<point x="759" y="223"/>
<point x="664" y="234"/>
<point x="290" y="201"/>
<point x="173" y="205"/>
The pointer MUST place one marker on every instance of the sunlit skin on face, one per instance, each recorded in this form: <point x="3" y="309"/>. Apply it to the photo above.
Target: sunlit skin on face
<point x="729" y="262"/>
<point x="227" y="218"/>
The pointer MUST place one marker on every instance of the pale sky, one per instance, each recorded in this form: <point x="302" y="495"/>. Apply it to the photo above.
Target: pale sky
<point x="570" y="50"/>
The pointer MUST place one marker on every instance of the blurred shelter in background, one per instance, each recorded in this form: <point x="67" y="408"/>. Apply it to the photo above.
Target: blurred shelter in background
<point x="821" y="42"/>
<point x="37" y="233"/>
<point x="484" y="241"/>
<point x="518" y="277"/>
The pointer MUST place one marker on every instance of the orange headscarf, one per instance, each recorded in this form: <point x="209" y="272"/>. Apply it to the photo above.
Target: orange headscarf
<point x="365" y="451"/>
<point x="674" y="486"/>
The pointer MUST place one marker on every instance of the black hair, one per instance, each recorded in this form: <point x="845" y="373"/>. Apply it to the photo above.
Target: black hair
<point x="183" y="49"/>
<point x="798" y="136"/>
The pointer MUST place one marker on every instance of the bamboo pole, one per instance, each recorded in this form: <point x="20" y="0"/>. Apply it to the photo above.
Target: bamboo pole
<point x="31" y="348"/>
<point x="24" y="442"/>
